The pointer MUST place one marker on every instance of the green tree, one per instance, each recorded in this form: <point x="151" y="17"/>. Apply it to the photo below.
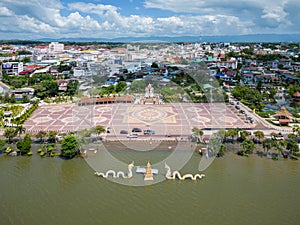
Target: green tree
<point x="248" y="145"/>
<point x="259" y="135"/>
<point x="40" y="135"/>
<point x="279" y="145"/>
<point x="12" y="98"/>
<point x="154" y="65"/>
<point x="250" y="97"/>
<point x="26" y="59"/>
<point x="231" y="133"/>
<point x="120" y="86"/>
<point x="72" y="87"/>
<point x="39" y="91"/>
<point x="267" y="144"/>
<point x="296" y="130"/>
<point x="51" y="88"/>
<point x="222" y="150"/>
<point x="25" y="98"/>
<point x="6" y="98"/>
<point x="221" y="134"/>
<point x="10" y="133"/>
<point x="259" y="85"/>
<point x="25" y="144"/>
<point x="69" y="146"/>
<point x="51" y="136"/>
<point x="198" y="133"/>
<point x="292" y="136"/>
<point x="20" y="130"/>
<point x="100" y="129"/>
<point x="243" y="135"/>
<point x="63" y="67"/>
<point x="292" y="146"/>
<point x="138" y="86"/>
<point x="215" y="145"/>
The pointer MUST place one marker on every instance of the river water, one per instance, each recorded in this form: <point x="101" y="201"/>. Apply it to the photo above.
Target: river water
<point x="236" y="190"/>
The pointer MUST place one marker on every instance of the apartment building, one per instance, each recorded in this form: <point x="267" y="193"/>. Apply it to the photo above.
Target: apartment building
<point x="12" y="68"/>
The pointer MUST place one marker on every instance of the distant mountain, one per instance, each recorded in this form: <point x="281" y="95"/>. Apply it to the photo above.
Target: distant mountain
<point x="231" y="38"/>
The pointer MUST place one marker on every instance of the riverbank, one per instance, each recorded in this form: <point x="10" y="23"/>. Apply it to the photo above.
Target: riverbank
<point x="157" y="146"/>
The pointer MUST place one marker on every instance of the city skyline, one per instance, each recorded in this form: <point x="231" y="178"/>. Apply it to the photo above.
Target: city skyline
<point x="36" y="19"/>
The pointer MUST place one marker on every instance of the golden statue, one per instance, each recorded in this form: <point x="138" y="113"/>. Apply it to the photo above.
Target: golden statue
<point x="148" y="174"/>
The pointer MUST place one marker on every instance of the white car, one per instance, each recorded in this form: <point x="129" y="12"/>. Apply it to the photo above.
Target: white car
<point x="132" y="136"/>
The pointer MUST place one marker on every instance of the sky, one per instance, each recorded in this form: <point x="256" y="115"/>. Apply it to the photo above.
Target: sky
<point x="36" y="19"/>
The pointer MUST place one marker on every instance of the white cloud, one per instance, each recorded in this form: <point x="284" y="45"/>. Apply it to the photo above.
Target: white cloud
<point x="37" y="18"/>
<point x="263" y="13"/>
<point x="5" y="12"/>
<point x="99" y="9"/>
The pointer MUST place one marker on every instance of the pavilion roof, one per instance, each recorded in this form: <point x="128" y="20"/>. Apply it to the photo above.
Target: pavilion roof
<point x="296" y="94"/>
<point x="283" y="112"/>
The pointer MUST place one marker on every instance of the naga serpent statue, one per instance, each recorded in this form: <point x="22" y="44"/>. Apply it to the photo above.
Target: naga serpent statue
<point x="176" y="174"/>
<point x="119" y="174"/>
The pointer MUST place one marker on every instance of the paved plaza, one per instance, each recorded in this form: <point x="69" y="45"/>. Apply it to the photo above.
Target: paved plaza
<point x="165" y="119"/>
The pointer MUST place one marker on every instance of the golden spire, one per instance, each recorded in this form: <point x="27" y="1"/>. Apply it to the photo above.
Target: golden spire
<point x="148" y="174"/>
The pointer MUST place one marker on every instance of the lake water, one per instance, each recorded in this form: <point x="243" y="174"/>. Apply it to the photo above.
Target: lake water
<point x="236" y="190"/>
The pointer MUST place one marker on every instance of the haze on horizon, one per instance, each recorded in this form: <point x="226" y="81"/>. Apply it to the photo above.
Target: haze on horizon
<point x="36" y="19"/>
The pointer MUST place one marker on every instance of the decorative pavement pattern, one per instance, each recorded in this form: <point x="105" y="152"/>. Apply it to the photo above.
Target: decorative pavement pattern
<point x="177" y="118"/>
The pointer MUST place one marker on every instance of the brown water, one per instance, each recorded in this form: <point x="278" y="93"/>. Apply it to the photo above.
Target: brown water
<point x="236" y="190"/>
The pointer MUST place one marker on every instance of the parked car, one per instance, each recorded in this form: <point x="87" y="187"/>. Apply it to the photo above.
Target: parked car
<point x="123" y="132"/>
<point x="135" y="129"/>
<point x="132" y="135"/>
<point x="149" y="132"/>
<point x="60" y="136"/>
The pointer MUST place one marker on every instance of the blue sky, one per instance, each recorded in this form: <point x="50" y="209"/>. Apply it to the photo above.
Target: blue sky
<point x="33" y="19"/>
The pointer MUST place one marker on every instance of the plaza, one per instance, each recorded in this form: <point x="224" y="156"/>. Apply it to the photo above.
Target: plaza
<point x="166" y="119"/>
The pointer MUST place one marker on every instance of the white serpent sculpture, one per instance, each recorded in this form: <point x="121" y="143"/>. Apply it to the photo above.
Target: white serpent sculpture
<point x="176" y="174"/>
<point x="119" y="174"/>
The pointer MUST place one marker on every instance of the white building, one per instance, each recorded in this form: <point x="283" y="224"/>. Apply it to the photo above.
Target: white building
<point x="12" y="68"/>
<point x="55" y="47"/>
<point x="79" y="72"/>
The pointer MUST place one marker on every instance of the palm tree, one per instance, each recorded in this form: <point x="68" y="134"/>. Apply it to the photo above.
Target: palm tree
<point x="259" y="134"/>
<point x="198" y="133"/>
<point x="232" y="133"/>
<point x="243" y="135"/>
<point x="10" y="133"/>
<point x="280" y="145"/>
<point x="20" y="130"/>
<point x="267" y="144"/>
<point x="221" y="134"/>
<point x="40" y="135"/>
<point x="222" y="150"/>
<point x="51" y="135"/>
<point x="248" y="145"/>
<point x="274" y="135"/>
